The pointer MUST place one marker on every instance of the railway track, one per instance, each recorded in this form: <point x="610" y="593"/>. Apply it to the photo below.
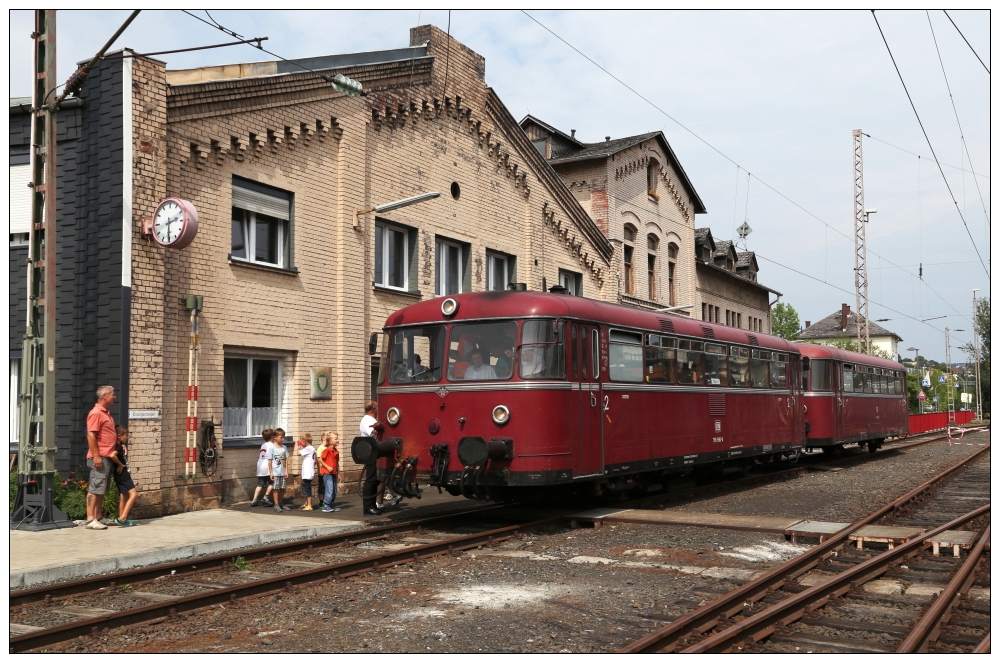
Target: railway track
<point x="780" y="611"/>
<point x="82" y="607"/>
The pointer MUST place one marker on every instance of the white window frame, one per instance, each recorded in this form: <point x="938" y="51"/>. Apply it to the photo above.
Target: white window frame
<point x="572" y="281"/>
<point x="490" y="257"/>
<point x="277" y="420"/>
<point x="382" y="279"/>
<point x="440" y="248"/>
<point x="250" y="238"/>
<point x="15" y="402"/>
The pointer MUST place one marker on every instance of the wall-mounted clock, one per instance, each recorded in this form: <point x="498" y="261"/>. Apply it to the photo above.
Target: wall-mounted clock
<point x="175" y="223"/>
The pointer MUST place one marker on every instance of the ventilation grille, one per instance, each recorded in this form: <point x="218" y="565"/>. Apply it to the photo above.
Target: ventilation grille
<point x="752" y="339"/>
<point x="716" y="405"/>
<point x="667" y="325"/>
<point x="709" y="332"/>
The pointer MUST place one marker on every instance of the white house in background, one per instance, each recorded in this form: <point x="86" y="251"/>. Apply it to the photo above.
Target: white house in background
<point x="834" y="328"/>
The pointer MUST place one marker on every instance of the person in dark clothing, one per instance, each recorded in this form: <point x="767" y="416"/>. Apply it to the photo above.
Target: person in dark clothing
<point x="371" y="492"/>
<point x="123" y="480"/>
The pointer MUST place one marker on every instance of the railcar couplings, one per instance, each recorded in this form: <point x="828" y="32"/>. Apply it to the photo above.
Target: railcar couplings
<point x="402" y="479"/>
<point x="439" y="465"/>
<point x="365" y="450"/>
<point x="477" y="451"/>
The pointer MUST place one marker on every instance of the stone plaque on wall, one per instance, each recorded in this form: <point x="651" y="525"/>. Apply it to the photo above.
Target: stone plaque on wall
<point x="320" y="384"/>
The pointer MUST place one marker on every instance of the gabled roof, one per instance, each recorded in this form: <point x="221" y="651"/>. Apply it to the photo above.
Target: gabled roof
<point x="579" y="151"/>
<point x="746" y="259"/>
<point x="725" y="249"/>
<point x="831" y="327"/>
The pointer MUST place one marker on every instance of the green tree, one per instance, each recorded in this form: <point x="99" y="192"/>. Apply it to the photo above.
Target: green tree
<point x="983" y="326"/>
<point x="785" y="321"/>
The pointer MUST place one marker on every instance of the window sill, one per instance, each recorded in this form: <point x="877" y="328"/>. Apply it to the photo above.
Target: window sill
<point x="406" y="293"/>
<point x="257" y="265"/>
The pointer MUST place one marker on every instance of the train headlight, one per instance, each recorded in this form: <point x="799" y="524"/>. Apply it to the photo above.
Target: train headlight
<point x="392" y="416"/>
<point x="501" y="415"/>
<point x="449" y="307"/>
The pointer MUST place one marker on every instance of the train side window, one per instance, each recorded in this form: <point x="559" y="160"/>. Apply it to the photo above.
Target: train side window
<point x="716" y="366"/>
<point x="660" y="359"/>
<point x="739" y="367"/>
<point x="625" y="357"/>
<point x="900" y="381"/>
<point x="759" y="360"/>
<point x="574" y="353"/>
<point x="542" y="353"/>
<point x="584" y="354"/>
<point x="819" y="375"/>
<point x="861" y="383"/>
<point x="779" y="370"/>
<point x="690" y="359"/>
<point x="848" y="378"/>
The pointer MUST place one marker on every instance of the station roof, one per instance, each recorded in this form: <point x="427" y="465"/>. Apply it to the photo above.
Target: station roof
<point x="831" y="327"/>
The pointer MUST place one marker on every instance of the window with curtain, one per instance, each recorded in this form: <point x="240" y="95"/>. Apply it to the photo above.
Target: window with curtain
<point x="251" y="398"/>
<point x="450" y="267"/>
<point x="499" y="270"/>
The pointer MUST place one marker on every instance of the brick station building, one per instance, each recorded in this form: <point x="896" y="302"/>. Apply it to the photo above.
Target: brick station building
<point x="278" y="165"/>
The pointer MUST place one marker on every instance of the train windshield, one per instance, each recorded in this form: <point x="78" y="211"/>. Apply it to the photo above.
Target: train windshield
<point x="416" y="355"/>
<point x="482" y="351"/>
<point x="542" y="356"/>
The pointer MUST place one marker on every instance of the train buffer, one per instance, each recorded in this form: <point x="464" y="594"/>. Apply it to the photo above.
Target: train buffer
<point x="956" y="539"/>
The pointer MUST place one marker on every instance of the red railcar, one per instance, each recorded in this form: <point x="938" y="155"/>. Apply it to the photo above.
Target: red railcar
<point x="851" y="398"/>
<point x="487" y="394"/>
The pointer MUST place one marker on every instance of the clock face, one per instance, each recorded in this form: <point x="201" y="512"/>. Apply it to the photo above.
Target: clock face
<point x="175" y="223"/>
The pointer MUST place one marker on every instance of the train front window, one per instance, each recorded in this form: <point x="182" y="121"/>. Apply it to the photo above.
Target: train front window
<point x="482" y="351"/>
<point x="417" y="355"/>
<point x="819" y="375"/>
<point x="542" y="355"/>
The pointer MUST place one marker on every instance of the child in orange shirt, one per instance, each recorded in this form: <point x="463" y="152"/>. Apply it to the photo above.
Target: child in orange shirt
<point x="329" y="461"/>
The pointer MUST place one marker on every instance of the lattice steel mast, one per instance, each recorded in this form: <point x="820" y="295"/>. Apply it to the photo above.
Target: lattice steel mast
<point x="33" y="506"/>
<point x="860" y="250"/>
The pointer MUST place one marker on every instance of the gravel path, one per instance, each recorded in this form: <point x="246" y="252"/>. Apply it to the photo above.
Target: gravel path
<point x="557" y="590"/>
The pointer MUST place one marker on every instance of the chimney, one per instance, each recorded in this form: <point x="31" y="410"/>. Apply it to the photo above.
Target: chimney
<point x="572" y="133"/>
<point x="807" y="324"/>
<point x="607" y="139"/>
<point x="845" y="311"/>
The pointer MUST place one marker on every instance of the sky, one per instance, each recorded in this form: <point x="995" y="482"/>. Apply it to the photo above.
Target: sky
<point x="759" y="108"/>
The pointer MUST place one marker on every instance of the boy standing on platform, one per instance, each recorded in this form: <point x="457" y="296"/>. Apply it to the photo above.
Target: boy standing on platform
<point x="308" y="454"/>
<point x="329" y="461"/>
<point x="264" y="482"/>
<point x="277" y="461"/>
<point x="123" y="479"/>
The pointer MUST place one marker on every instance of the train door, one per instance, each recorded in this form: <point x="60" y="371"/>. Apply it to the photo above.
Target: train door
<point x="591" y="401"/>
<point x="838" y="384"/>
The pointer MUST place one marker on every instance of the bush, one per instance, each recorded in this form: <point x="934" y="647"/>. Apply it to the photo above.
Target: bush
<point x="70" y="496"/>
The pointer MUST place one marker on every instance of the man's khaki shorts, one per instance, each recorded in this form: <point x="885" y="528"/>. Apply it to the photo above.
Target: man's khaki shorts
<point x="99" y="477"/>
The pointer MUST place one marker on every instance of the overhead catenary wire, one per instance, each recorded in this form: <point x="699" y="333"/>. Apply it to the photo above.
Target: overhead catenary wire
<point x="920" y="156"/>
<point x="927" y="138"/>
<point x="715" y="149"/>
<point x="968" y="44"/>
<point x="954" y="109"/>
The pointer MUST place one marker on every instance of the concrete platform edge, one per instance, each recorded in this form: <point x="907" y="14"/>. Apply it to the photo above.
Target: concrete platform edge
<point x="106" y="565"/>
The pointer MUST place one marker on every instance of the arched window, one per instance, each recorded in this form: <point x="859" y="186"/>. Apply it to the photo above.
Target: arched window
<point x="652" y="244"/>
<point x="652" y="178"/>
<point x="630" y="232"/>
<point x="672" y="251"/>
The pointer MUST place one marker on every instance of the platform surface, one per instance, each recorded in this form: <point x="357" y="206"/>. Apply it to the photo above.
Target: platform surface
<point x="668" y="517"/>
<point x="56" y="555"/>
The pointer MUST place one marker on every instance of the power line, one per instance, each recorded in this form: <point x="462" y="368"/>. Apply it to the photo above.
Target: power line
<point x="961" y="132"/>
<point x="715" y="149"/>
<point x="969" y="45"/>
<point x="920" y="156"/>
<point x="927" y="138"/>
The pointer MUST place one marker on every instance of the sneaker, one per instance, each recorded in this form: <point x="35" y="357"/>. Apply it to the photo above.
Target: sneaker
<point x="372" y="512"/>
<point x="255" y="503"/>
<point x="124" y="523"/>
<point x="336" y="508"/>
<point x="379" y="507"/>
<point x="396" y="500"/>
<point x="96" y="524"/>
<point x="287" y="508"/>
<point x="267" y="502"/>
<point x="278" y="509"/>
<point x="327" y="509"/>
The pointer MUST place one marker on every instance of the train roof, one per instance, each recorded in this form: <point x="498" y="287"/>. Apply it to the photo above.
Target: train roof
<point x="524" y="304"/>
<point x="814" y="351"/>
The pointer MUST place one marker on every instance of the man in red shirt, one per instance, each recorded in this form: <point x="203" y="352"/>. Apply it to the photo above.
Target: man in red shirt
<point x="101" y="439"/>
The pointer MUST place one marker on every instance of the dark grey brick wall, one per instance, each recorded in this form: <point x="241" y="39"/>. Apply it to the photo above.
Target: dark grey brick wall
<point x="90" y="321"/>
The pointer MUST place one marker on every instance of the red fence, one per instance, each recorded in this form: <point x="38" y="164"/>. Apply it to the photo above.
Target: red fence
<point x="921" y="423"/>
